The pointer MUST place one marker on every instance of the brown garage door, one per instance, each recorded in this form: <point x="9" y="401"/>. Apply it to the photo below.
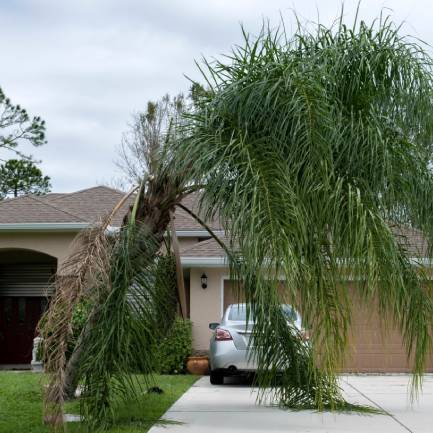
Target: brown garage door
<point x="231" y="296"/>
<point x="370" y="349"/>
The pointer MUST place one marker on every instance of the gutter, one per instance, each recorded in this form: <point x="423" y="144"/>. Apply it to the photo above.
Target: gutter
<point x="50" y="227"/>
<point x="43" y="227"/>
<point x="222" y="262"/>
<point x="210" y="262"/>
<point x="197" y="233"/>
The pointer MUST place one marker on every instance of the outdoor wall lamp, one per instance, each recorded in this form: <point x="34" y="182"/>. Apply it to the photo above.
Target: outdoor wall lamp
<point x="203" y="281"/>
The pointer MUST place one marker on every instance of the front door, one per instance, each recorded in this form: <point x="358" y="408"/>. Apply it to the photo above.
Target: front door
<point x="18" y="319"/>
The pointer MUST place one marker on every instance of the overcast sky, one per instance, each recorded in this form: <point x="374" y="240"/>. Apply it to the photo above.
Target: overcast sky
<point x="85" y="66"/>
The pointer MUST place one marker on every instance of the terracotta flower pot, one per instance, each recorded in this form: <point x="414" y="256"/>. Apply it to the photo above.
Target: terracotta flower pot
<point x="198" y="365"/>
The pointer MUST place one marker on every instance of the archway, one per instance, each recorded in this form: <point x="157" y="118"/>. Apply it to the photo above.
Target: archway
<point x="24" y="281"/>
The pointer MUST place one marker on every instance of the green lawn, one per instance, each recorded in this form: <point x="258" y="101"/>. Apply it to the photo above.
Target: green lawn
<point x="21" y="404"/>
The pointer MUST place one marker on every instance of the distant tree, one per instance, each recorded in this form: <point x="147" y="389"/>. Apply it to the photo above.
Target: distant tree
<point x="141" y="145"/>
<point x="20" y="176"/>
<point x="16" y="126"/>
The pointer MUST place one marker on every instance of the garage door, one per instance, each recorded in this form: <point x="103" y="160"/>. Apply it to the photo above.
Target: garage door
<point x="231" y="295"/>
<point x="371" y="350"/>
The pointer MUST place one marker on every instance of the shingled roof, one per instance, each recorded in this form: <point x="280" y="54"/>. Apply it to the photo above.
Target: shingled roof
<point x="184" y="221"/>
<point x="208" y="248"/>
<point x="31" y="209"/>
<point x="84" y="206"/>
<point x="91" y="204"/>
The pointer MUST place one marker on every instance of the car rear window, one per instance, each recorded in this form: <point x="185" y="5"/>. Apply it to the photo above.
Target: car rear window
<point x="239" y="313"/>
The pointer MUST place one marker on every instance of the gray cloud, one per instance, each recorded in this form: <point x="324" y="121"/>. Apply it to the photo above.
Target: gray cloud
<point x="85" y="66"/>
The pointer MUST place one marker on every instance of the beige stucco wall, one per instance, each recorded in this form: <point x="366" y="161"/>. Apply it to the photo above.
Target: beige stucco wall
<point x="205" y="304"/>
<point x="55" y="244"/>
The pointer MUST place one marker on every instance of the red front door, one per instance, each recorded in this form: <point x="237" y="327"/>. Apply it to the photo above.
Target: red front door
<point x="18" y="319"/>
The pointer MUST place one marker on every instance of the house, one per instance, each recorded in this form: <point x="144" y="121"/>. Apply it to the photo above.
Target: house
<point x="36" y="236"/>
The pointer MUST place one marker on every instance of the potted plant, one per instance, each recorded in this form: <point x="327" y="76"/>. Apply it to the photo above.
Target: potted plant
<point x="198" y="363"/>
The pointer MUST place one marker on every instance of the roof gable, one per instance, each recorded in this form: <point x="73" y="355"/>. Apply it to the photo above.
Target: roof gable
<point x="92" y="204"/>
<point x="184" y="221"/>
<point x="208" y="248"/>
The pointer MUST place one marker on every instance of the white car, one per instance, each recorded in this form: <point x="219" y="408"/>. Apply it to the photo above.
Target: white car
<point x="229" y="354"/>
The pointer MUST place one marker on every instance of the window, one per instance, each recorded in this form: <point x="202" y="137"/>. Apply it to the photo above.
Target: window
<point x="238" y="312"/>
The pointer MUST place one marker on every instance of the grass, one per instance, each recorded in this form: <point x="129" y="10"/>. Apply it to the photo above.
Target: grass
<point x="21" y="404"/>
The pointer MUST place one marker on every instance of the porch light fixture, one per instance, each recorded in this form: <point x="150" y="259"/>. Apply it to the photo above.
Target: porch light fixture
<point x="203" y="281"/>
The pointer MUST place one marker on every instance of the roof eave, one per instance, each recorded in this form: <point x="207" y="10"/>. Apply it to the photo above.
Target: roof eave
<point x="197" y="233"/>
<point x="43" y="227"/>
<point x="209" y="262"/>
<point x="221" y="262"/>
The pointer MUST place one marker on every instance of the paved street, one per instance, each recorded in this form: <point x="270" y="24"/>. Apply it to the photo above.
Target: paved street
<point x="231" y="408"/>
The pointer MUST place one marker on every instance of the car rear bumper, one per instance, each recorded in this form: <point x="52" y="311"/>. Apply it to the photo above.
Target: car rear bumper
<point x="225" y="356"/>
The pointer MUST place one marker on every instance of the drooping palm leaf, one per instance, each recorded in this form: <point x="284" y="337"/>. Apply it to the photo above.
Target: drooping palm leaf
<point x="87" y="264"/>
<point x="125" y="338"/>
<point x="312" y="150"/>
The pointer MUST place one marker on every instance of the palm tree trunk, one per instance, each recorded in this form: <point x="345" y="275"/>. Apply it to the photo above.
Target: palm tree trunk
<point x="72" y="376"/>
<point x="153" y="215"/>
<point x="179" y="271"/>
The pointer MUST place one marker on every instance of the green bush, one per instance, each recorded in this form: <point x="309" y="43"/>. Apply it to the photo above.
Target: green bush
<point x="79" y="319"/>
<point x="175" y="348"/>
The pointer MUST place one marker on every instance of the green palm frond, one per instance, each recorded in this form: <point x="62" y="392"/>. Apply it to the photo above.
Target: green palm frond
<point x="312" y="150"/>
<point x="127" y="326"/>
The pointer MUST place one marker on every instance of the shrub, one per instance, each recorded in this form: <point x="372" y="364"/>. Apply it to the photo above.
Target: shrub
<point x="79" y="319"/>
<point x="175" y="347"/>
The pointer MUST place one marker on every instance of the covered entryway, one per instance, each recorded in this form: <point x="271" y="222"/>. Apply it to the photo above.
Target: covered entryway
<point x="24" y="280"/>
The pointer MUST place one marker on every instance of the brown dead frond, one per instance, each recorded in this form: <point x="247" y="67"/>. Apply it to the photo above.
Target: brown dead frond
<point x="86" y="267"/>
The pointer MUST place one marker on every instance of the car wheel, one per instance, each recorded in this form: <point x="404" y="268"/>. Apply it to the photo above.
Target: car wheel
<point x="216" y="377"/>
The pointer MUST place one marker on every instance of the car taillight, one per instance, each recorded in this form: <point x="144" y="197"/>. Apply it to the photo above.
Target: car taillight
<point x="222" y="335"/>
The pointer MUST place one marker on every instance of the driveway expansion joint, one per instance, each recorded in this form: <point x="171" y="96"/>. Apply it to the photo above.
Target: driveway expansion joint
<point x="391" y="415"/>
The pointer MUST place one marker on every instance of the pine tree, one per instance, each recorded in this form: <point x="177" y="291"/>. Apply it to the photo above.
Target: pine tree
<point x="20" y="176"/>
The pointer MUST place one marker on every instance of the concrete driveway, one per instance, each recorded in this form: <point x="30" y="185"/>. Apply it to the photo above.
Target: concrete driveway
<point x="231" y="408"/>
